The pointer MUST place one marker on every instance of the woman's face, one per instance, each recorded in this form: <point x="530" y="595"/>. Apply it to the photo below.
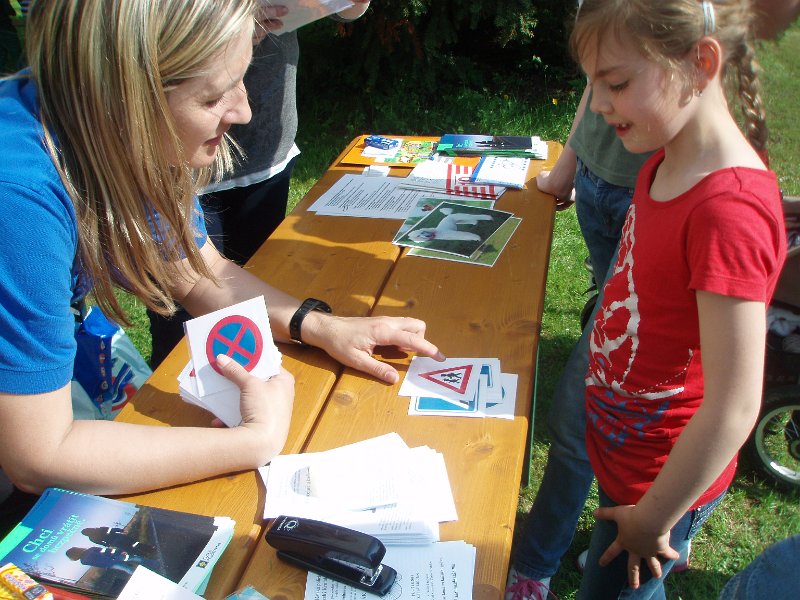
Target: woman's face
<point x="205" y="107"/>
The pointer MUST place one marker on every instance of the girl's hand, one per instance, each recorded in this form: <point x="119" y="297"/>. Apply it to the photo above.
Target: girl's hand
<point x="266" y="406"/>
<point x="352" y="340"/>
<point x="641" y="545"/>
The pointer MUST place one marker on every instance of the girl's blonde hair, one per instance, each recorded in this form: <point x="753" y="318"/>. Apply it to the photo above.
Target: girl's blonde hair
<point x="666" y="31"/>
<point x="103" y="68"/>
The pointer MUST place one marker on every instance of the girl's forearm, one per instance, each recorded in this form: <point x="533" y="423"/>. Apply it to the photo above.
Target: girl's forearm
<point x="707" y="445"/>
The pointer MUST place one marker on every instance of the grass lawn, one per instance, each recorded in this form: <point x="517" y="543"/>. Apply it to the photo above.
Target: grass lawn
<point x="753" y="515"/>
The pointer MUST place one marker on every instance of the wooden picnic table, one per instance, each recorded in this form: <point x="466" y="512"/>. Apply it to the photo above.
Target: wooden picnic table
<point x="470" y="310"/>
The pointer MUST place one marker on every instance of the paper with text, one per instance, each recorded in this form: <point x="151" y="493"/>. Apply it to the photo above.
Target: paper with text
<point x="440" y="571"/>
<point x="369" y="197"/>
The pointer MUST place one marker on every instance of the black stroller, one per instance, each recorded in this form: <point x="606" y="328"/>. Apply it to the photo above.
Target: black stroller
<point x="773" y="448"/>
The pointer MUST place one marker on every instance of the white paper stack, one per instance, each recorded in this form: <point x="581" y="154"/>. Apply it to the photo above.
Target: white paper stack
<point x="379" y="486"/>
<point x="240" y="331"/>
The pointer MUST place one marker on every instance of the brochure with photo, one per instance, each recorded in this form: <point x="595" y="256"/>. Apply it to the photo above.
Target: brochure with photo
<point x="454" y="228"/>
<point x="486" y="255"/>
<point x="425" y="205"/>
<point x="408" y="153"/>
<point x="92" y="545"/>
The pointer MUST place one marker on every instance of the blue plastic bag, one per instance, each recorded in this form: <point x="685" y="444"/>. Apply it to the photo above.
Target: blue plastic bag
<point x="108" y="368"/>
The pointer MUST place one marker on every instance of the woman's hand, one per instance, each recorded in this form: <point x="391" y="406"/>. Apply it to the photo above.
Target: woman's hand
<point x="352" y="340"/>
<point x="633" y="537"/>
<point x="266" y="406"/>
<point x="351" y="14"/>
<point x="268" y="18"/>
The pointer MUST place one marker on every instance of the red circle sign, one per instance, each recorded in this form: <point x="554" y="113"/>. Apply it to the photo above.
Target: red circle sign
<point x="238" y="337"/>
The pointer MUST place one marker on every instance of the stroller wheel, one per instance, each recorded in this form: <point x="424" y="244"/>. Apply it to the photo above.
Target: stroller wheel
<point x="773" y="447"/>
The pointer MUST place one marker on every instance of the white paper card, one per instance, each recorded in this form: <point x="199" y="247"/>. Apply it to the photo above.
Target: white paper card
<point x="144" y="584"/>
<point x="302" y="12"/>
<point x="371" y="197"/>
<point x="240" y="331"/>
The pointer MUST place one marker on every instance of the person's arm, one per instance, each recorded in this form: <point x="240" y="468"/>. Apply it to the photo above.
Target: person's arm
<point x="43" y="446"/>
<point x="560" y="181"/>
<point x="732" y="334"/>
<point x="350" y="340"/>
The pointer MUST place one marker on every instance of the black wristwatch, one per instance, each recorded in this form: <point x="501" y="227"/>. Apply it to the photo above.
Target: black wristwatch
<point x="296" y="321"/>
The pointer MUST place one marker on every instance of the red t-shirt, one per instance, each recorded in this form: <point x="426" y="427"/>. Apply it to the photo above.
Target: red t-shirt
<point x="645" y="381"/>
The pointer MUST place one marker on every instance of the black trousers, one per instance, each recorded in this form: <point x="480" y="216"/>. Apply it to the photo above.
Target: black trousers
<point x="238" y="221"/>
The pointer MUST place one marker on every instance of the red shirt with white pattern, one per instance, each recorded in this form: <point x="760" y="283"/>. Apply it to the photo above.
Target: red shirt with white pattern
<point x="725" y="235"/>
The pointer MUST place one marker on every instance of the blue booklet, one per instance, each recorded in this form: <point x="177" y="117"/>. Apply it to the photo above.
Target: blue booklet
<point x="457" y="144"/>
<point x="92" y="544"/>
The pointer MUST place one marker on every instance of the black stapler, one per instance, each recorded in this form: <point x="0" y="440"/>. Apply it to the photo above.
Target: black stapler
<point x="336" y="552"/>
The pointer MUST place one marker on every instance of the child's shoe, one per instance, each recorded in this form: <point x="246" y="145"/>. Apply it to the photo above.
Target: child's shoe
<point x="580" y="562"/>
<point x="519" y="587"/>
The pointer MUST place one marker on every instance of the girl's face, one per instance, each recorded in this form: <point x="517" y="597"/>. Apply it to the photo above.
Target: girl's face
<point x="205" y="107"/>
<point x="635" y="95"/>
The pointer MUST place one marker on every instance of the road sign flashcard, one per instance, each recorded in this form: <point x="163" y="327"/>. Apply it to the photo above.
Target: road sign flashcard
<point x="454" y="379"/>
<point x="240" y="331"/>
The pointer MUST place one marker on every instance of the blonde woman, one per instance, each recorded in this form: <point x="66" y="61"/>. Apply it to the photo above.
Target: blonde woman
<point x="105" y="139"/>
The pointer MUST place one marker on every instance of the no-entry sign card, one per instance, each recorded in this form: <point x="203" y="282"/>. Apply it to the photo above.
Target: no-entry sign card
<point x="240" y="331"/>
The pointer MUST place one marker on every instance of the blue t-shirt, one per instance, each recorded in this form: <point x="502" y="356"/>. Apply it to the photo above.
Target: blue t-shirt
<point x="38" y="231"/>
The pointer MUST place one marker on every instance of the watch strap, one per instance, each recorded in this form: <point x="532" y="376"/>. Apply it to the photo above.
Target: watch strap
<point x="295" y="323"/>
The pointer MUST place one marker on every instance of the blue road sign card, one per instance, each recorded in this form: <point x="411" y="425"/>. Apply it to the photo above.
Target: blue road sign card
<point x="240" y="331"/>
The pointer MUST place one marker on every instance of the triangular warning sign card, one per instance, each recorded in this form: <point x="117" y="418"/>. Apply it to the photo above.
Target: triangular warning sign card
<point x="454" y="379"/>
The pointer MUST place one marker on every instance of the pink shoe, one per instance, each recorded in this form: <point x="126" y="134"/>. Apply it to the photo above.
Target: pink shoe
<point x="520" y="587"/>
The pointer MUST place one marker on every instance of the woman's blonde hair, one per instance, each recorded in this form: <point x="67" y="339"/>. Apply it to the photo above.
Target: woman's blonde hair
<point x="667" y="30"/>
<point x="103" y="68"/>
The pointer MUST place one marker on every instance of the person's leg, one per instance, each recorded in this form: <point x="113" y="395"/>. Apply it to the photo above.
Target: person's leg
<point x="601" y="208"/>
<point x="551" y="523"/>
<point x="773" y="574"/>
<point x="250" y="214"/>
